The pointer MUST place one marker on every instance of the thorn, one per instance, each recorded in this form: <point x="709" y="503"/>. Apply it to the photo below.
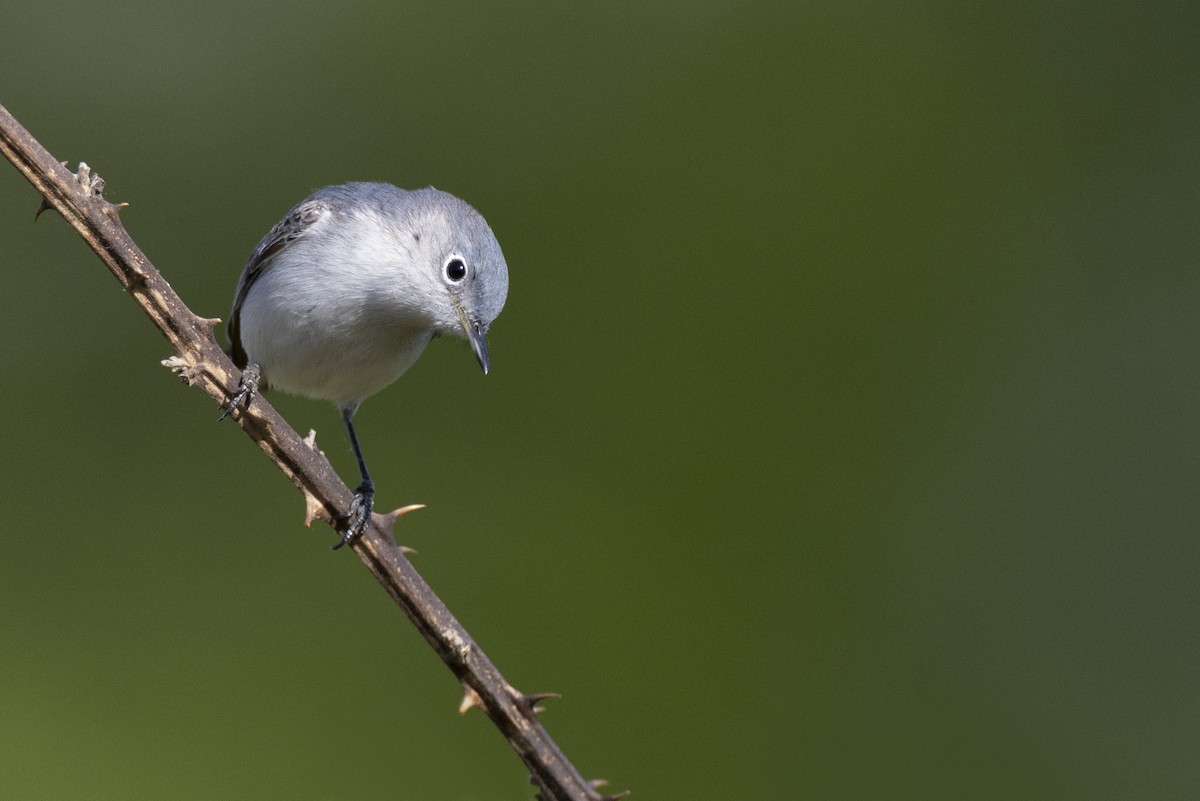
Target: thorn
<point x="43" y="206"/>
<point x="598" y="783"/>
<point x="314" y="510"/>
<point x="470" y="699"/>
<point x="403" y="510"/>
<point x="389" y="519"/>
<point x="208" y="324"/>
<point x="530" y="702"/>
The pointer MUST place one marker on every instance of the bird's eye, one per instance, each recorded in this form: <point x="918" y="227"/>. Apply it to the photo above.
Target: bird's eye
<point x="456" y="270"/>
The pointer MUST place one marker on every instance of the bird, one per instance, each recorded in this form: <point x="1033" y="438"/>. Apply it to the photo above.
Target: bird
<point x="343" y="294"/>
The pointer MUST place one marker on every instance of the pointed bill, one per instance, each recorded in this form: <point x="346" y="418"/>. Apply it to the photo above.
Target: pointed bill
<point x="474" y="334"/>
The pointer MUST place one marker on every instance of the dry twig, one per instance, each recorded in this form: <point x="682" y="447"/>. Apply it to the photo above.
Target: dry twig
<point x="200" y="362"/>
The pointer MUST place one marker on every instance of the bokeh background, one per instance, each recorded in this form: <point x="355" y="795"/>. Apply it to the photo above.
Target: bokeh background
<point x="841" y="440"/>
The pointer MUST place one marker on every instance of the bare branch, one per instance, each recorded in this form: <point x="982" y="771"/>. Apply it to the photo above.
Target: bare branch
<point x="200" y="361"/>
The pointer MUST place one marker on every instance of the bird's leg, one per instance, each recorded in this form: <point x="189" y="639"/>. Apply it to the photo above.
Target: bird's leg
<point x="247" y="389"/>
<point x="359" y="515"/>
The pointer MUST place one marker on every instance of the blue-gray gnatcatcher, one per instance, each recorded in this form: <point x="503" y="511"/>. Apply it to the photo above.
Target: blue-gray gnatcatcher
<point x="345" y="292"/>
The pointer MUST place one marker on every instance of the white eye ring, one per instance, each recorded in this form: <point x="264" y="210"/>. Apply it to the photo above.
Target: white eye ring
<point x="455" y="270"/>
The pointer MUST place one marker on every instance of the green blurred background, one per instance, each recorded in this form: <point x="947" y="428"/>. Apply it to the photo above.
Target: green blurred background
<point x="840" y="443"/>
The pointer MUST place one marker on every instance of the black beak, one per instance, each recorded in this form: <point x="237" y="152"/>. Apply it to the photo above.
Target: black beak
<point x="478" y="344"/>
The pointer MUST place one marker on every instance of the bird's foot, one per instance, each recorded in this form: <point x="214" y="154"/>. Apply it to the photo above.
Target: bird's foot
<point x="358" y="517"/>
<point x="247" y="389"/>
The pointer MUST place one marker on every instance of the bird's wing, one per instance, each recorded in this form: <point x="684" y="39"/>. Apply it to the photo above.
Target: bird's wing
<point x="292" y="227"/>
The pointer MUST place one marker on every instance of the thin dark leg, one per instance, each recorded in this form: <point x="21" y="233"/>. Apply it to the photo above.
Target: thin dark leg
<point x="359" y="516"/>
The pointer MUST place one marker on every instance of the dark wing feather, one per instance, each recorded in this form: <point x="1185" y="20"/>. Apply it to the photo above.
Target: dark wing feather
<point x="286" y="231"/>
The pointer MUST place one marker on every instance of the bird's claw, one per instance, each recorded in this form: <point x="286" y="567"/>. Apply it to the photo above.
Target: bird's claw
<point x="247" y="389"/>
<point x="358" y="517"/>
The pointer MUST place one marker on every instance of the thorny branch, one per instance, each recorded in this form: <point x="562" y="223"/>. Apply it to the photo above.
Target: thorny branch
<point x="200" y="362"/>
